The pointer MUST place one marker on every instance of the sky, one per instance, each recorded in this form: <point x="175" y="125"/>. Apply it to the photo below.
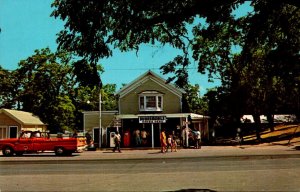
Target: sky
<point x="26" y="25"/>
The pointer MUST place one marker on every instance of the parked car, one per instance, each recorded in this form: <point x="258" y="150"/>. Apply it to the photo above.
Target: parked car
<point x="36" y="141"/>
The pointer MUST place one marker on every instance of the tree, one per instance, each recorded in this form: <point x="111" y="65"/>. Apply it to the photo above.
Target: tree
<point x="53" y="87"/>
<point x="206" y="32"/>
<point x="196" y="103"/>
<point x="8" y="88"/>
<point x="92" y="26"/>
<point x="43" y="81"/>
<point x="271" y="51"/>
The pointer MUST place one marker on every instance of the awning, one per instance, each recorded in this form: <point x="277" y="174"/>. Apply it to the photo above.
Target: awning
<point x="172" y="115"/>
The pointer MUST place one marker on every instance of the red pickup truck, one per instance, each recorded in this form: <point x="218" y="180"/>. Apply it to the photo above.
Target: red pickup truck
<point x="36" y="141"/>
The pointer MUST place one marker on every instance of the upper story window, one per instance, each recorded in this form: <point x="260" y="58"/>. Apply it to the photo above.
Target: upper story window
<point x="151" y="101"/>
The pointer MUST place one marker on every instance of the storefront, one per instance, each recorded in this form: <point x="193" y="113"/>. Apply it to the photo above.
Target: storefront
<point x="144" y="130"/>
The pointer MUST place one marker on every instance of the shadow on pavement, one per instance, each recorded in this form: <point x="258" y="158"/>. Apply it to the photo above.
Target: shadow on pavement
<point x="110" y="152"/>
<point x="194" y="190"/>
<point x="297" y="147"/>
<point x="156" y="152"/>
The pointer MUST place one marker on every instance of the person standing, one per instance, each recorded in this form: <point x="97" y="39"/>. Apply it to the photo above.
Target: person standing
<point x="137" y="136"/>
<point x="117" y="140"/>
<point x="144" y="135"/>
<point x="163" y="142"/>
<point x="174" y="142"/>
<point x="88" y="138"/>
<point x="198" y="139"/>
<point x="169" y="143"/>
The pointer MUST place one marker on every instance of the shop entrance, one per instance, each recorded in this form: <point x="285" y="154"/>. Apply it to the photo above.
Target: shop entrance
<point x="148" y="136"/>
<point x="154" y="122"/>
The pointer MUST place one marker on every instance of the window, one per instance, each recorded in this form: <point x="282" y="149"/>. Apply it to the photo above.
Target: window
<point x="3" y="131"/>
<point x="142" y="104"/>
<point x="151" y="101"/>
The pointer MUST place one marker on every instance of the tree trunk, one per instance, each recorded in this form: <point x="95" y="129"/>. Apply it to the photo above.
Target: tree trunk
<point x="270" y="119"/>
<point x="257" y="124"/>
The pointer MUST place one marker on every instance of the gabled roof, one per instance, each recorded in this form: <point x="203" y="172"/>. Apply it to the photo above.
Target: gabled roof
<point x="149" y="75"/>
<point x="22" y="117"/>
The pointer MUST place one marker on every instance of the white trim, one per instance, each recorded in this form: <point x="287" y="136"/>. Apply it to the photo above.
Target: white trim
<point x="157" y="95"/>
<point x="144" y="78"/>
<point x="119" y="104"/>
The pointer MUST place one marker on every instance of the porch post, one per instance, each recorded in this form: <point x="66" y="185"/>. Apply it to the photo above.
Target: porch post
<point x="186" y="132"/>
<point x="152" y="133"/>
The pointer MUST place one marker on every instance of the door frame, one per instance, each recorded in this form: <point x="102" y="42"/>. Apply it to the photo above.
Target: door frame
<point x="9" y="131"/>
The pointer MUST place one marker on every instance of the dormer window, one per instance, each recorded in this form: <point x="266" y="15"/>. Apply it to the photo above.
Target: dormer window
<point x="151" y="101"/>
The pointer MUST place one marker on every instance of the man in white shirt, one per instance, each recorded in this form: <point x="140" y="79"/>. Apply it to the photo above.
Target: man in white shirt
<point x="117" y="140"/>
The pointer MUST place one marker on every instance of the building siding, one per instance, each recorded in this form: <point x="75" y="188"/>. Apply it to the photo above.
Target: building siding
<point x="5" y="120"/>
<point x="92" y="121"/>
<point x="129" y="104"/>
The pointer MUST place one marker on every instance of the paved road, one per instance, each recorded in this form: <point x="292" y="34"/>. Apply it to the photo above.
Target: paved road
<point x="214" y="168"/>
<point x="205" y="152"/>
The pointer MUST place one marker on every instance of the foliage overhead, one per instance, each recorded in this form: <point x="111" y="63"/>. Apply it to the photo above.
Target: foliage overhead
<point x="256" y="56"/>
<point x="92" y="26"/>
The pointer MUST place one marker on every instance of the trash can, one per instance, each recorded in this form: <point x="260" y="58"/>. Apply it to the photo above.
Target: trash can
<point x="112" y="139"/>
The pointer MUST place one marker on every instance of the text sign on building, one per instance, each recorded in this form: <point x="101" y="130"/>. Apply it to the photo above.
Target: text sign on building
<point x="117" y="123"/>
<point x="152" y="119"/>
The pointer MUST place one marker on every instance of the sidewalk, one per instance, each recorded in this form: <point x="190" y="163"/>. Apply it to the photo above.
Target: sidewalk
<point x="271" y="151"/>
<point x="205" y="151"/>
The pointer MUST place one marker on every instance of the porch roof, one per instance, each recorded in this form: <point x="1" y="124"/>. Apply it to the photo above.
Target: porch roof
<point x="194" y="116"/>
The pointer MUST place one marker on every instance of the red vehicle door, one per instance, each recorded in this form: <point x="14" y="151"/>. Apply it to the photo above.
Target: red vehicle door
<point x="42" y="141"/>
<point x="39" y="144"/>
<point x="25" y="142"/>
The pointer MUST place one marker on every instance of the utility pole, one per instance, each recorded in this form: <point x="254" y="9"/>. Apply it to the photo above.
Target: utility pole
<point x="100" y="119"/>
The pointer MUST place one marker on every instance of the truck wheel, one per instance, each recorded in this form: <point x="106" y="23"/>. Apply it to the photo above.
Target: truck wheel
<point x="7" y="151"/>
<point x="59" y="151"/>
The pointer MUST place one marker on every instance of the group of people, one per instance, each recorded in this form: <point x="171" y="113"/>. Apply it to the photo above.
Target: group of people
<point x="191" y="137"/>
<point x="168" y="142"/>
<point x="140" y="137"/>
<point x="197" y="139"/>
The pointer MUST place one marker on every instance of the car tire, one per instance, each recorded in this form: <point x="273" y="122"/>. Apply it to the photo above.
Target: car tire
<point x="7" y="151"/>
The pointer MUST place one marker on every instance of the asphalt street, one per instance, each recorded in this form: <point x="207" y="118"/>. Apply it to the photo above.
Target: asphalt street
<point x="265" y="168"/>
